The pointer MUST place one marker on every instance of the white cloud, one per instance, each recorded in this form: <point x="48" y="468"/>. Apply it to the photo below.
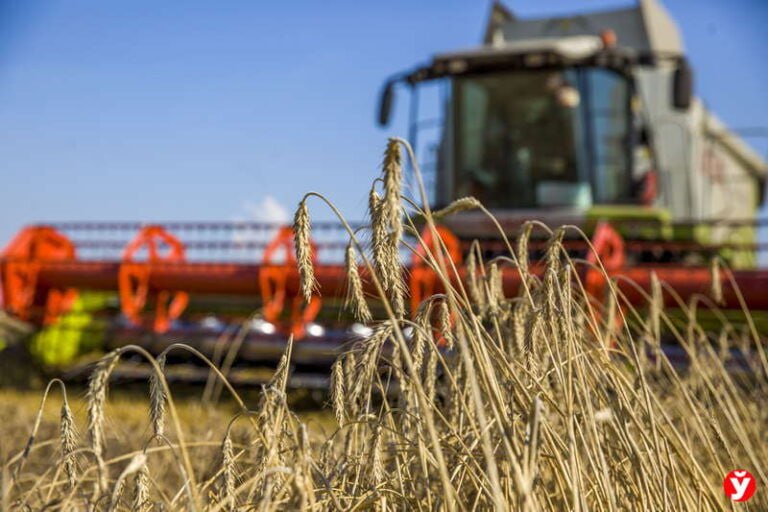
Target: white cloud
<point x="268" y="210"/>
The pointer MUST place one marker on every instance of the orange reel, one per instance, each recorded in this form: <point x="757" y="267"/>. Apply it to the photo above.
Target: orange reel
<point x="58" y="303"/>
<point x="273" y="280"/>
<point x="20" y="267"/>
<point x="609" y="249"/>
<point x="133" y="278"/>
<point x="423" y="278"/>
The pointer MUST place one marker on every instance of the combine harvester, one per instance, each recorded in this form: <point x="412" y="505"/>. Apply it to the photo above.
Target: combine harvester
<point x="587" y="120"/>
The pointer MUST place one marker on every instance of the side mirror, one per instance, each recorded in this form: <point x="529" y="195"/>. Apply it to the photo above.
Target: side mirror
<point x="385" y="103"/>
<point x="682" y="85"/>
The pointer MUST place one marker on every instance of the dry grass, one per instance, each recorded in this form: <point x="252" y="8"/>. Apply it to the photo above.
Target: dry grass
<point x="542" y="401"/>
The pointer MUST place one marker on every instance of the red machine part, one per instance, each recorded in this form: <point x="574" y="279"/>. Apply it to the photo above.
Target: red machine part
<point x="134" y="277"/>
<point x="273" y="281"/>
<point x="40" y="266"/>
<point x="57" y="303"/>
<point x="650" y="188"/>
<point x="609" y="250"/>
<point x="424" y="279"/>
<point x="20" y="265"/>
<point x="242" y="279"/>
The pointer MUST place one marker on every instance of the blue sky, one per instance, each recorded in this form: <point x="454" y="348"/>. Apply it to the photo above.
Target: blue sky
<point x="187" y="110"/>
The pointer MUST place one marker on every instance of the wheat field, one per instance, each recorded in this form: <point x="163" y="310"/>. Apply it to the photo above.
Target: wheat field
<point x="547" y="400"/>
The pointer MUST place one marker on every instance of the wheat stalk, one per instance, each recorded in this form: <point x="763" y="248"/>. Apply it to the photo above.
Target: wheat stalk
<point x="137" y="462"/>
<point x="522" y="249"/>
<point x="377" y="456"/>
<point x="444" y="317"/>
<point x="68" y="436"/>
<point x="303" y="243"/>
<point x="474" y="289"/>
<point x="379" y="238"/>
<point x="97" y="396"/>
<point x="228" y="471"/>
<point x="459" y="205"/>
<point x="715" y="280"/>
<point x="431" y="373"/>
<point x="157" y="399"/>
<point x="337" y="391"/>
<point x="393" y="182"/>
<point x="355" y="297"/>
<point x="419" y="339"/>
<point x="141" y="499"/>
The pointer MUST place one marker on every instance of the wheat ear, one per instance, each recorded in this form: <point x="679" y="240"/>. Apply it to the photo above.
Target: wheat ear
<point x="68" y="434"/>
<point x="355" y="297"/>
<point x="303" y="243"/>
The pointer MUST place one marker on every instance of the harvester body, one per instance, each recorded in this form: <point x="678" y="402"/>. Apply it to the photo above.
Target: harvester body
<point x="585" y="120"/>
<point x="588" y="117"/>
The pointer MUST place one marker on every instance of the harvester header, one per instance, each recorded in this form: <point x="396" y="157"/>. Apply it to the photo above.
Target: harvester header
<point x="163" y="277"/>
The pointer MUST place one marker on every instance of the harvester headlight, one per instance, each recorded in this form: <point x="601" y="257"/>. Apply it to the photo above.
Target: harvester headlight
<point x="578" y="47"/>
<point x="211" y="323"/>
<point x="262" y="326"/>
<point x="360" y="330"/>
<point x="315" y="330"/>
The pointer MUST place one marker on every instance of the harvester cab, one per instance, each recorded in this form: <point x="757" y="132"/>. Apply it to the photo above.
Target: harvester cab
<point x="576" y="119"/>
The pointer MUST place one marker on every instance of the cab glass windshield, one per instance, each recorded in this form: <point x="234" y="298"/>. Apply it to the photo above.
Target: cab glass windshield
<point x="539" y="139"/>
